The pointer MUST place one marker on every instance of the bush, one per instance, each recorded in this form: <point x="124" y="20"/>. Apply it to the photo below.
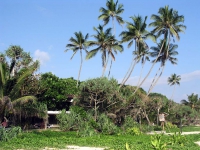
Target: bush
<point x="8" y="133"/>
<point x="106" y="125"/>
<point x="134" y="131"/>
<point x="71" y="121"/>
<point x="129" y="123"/>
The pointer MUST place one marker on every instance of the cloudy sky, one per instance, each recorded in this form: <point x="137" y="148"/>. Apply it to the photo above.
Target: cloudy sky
<point x="43" y="28"/>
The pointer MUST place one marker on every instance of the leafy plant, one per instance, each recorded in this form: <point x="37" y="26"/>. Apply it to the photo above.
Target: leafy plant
<point x="157" y="143"/>
<point x="7" y="134"/>
<point x="134" y="131"/>
<point x="177" y="138"/>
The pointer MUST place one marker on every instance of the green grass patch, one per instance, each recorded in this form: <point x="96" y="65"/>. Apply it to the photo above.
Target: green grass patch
<point x="36" y="140"/>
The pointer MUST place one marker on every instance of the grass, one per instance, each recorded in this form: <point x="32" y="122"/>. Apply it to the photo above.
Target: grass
<point x="184" y="129"/>
<point x="36" y="140"/>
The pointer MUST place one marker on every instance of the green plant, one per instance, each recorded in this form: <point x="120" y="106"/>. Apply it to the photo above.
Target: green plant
<point x="177" y="138"/>
<point x="157" y="142"/>
<point x="7" y="134"/>
<point x="129" y="123"/>
<point x="106" y="125"/>
<point x="134" y="131"/>
<point x="170" y="125"/>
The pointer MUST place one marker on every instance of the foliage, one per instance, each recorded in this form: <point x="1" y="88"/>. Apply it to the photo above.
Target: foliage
<point x="157" y="142"/>
<point x="7" y="134"/>
<point x="69" y="121"/>
<point x="56" y="91"/>
<point x="35" y="140"/>
<point x="106" y="126"/>
<point x="134" y="131"/>
<point x="98" y="94"/>
<point x="177" y="138"/>
<point x="129" y="123"/>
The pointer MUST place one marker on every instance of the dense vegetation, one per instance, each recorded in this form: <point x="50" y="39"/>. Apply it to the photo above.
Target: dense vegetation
<point x="102" y="107"/>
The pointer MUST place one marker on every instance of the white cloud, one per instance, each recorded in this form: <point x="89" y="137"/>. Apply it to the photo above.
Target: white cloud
<point x="42" y="56"/>
<point x="190" y="76"/>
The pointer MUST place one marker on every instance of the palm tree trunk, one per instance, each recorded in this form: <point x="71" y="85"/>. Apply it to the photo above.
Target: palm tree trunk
<point x="173" y="92"/>
<point x="135" y="62"/>
<point x="127" y="72"/>
<point x="152" y="83"/>
<point x="105" y="66"/>
<point x="156" y="80"/>
<point x="80" y="68"/>
<point x="110" y="68"/>
<point x="149" y="70"/>
<point x="141" y="73"/>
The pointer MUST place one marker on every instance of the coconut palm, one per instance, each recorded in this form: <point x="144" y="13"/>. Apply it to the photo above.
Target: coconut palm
<point x="136" y="33"/>
<point x="105" y="42"/>
<point x="192" y="101"/>
<point x="78" y="44"/>
<point x="167" y="23"/>
<point x="113" y="11"/>
<point x="167" y="54"/>
<point x="173" y="81"/>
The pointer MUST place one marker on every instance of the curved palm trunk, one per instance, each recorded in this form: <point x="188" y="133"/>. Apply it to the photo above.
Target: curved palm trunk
<point x="80" y="68"/>
<point x="156" y="80"/>
<point x="104" y="67"/>
<point x="131" y="70"/>
<point x="153" y="81"/>
<point x="149" y="70"/>
<point x="110" y="68"/>
<point x="141" y="73"/>
<point x="132" y="62"/>
<point x="129" y="73"/>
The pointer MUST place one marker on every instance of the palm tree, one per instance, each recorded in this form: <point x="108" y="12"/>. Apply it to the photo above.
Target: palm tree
<point x="192" y="101"/>
<point x="165" y="55"/>
<point x="168" y="22"/>
<point x="78" y="44"/>
<point x="113" y="11"/>
<point x="136" y="33"/>
<point x="105" y="42"/>
<point x="173" y="81"/>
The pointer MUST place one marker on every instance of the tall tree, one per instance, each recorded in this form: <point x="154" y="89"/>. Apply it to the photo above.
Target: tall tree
<point x="173" y="81"/>
<point x="167" y="54"/>
<point x="78" y="44"/>
<point x="167" y="23"/>
<point x="14" y="53"/>
<point x="105" y="42"/>
<point x="136" y="33"/>
<point x="192" y="101"/>
<point x="113" y="11"/>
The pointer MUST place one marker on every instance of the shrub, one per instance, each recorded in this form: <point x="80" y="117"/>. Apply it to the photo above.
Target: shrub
<point x="8" y="133"/>
<point x="134" y="131"/>
<point x="71" y="121"/>
<point x="129" y="123"/>
<point x="106" y="125"/>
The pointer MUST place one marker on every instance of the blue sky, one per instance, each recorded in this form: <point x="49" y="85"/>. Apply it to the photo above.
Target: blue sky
<point x="43" y="28"/>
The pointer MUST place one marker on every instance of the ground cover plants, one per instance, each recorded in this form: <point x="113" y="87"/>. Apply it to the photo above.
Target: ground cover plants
<point x="36" y="140"/>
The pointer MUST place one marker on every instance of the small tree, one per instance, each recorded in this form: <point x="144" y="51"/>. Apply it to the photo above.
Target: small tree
<point x="97" y="94"/>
